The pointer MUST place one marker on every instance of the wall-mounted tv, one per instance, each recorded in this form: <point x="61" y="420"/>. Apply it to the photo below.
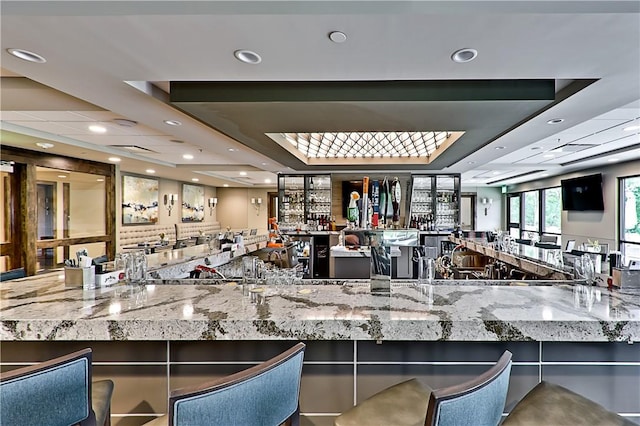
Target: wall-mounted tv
<point x="583" y="193"/>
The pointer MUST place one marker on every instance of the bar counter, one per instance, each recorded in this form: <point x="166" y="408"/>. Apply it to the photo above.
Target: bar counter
<point x="174" y="333"/>
<point x="42" y="308"/>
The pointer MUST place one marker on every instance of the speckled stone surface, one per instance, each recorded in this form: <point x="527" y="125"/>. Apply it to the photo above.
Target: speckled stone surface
<point x="43" y="309"/>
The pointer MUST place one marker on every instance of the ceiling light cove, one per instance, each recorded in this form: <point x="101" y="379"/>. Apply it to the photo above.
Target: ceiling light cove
<point x="324" y="148"/>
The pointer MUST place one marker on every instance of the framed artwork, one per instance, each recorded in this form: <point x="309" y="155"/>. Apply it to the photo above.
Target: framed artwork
<point x="139" y="200"/>
<point x="192" y="203"/>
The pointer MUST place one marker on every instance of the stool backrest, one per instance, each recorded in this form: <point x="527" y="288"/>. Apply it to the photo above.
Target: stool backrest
<point x="266" y="394"/>
<point x="54" y="392"/>
<point x="478" y="402"/>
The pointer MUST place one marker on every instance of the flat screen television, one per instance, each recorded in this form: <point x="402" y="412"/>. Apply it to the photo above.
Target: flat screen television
<point x="582" y="193"/>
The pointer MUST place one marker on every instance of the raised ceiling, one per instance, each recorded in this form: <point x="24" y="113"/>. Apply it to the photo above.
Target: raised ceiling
<point x="119" y="57"/>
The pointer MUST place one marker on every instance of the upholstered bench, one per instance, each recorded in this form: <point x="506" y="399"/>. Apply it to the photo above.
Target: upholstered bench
<point x="549" y="404"/>
<point x="191" y="230"/>
<point x="132" y="235"/>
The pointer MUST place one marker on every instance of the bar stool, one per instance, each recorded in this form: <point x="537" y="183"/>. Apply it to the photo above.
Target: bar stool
<point x="549" y="404"/>
<point x="55" y="392"/>
<point x="264" y="395"/>
<point x="477" y="402"/>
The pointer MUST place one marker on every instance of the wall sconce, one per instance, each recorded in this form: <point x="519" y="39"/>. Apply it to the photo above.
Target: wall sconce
<point x="169" y="201"/>
<point x="212" y="205"/>
<point x="487" y="203"/>
<point x="256" y="202"/>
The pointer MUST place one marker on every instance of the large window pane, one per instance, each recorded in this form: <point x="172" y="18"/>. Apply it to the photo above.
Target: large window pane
<point x="514" y="209"/>
<point x="531" y="216"/>
<point x="630" y="223"/>
<point x="552" y="210"/>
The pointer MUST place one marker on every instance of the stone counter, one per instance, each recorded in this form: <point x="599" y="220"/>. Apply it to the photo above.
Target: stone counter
<point x="43" y="309"/>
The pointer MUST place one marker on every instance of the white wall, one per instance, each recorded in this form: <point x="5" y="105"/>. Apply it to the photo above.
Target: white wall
<point x="236" y="211"/>
<point x="494" y="217"/>
<point x="581" y="226"/>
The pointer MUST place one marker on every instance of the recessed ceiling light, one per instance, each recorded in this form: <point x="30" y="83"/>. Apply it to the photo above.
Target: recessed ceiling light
<point x="100" y="180"/>
<point x="471" y="162"/>
<point x="176" y="141"/>
<point x="548" y="156"/>
<point x="243" y="173"/>
<point x="631" y="128"/>
<point x="464" y="55"/>
<point x="44" y="145"/>
<point x="27" y="55"/>
<point x="545" y="174"/>
<point x="337" y="36"/>
<point x="231" y="149"/>
<point x="62" y="176"/>
<point x="535" y="148"/>
<point x="195" y="179"/>
<point x="187" y="157"/>
<point x="114" y="159"/>
<point x="264" y="164"/>
<point x="150" y="171"/>
<point x="555" y="121"/>
<point x="96" y="128"/>
<point x="226" y="185"/>
<point x="172" y="122"/>
<point x="496" y="173"/>
<point x="612" y="160"/>
<point x="124" y="122"/>
<point x="500" y="147"/>
<point x="247" y="56"/>
<point x="267" y="181"/>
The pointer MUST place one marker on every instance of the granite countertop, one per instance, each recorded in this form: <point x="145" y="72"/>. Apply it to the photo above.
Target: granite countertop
<point x="42" y="308"/>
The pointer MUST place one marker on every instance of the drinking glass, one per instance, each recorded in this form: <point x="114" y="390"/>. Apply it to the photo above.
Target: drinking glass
<point x="426" y="270"/>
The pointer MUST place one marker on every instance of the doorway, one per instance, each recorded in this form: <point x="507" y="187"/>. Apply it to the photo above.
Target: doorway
<point x="46" y="213"/>
<point x="468" y="212"/>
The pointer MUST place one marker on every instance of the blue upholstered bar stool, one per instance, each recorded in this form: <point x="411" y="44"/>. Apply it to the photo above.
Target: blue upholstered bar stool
<point x="477" y="402"/>
<point x="264" y="395"/>
<point x="58" y="392"/>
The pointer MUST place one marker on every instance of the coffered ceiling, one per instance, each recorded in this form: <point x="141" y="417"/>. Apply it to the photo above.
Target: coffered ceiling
<point x="126" y="60"/>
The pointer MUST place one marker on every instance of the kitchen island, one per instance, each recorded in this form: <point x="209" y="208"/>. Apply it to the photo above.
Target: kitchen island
<point x="162" y="336"/>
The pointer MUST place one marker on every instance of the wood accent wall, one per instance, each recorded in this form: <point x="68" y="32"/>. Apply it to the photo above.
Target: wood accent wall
<point x="24" y="238"/>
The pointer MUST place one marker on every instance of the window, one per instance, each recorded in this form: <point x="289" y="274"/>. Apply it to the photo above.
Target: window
<point x="531" y="211"/>
<point x="534" y="213"/>
<point x="514" y="215"/>
<point x="552" y="210"/>
<point x="629" y="227"/>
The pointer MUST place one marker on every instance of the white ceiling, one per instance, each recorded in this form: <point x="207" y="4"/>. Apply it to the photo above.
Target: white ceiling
<point x="94" y="48"/>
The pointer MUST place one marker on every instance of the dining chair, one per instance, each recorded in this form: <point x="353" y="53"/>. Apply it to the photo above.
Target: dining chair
<point x="264" y="395"/>
<point x="479" y="402"/>
<point x="58" y="392"/>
